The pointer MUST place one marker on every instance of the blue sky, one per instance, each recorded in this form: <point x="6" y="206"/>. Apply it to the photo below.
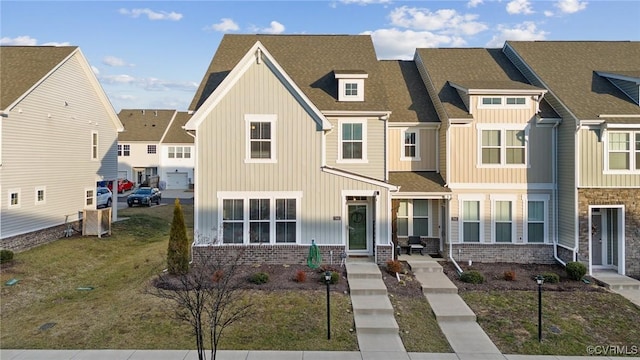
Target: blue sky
<point x="153" y="54"/>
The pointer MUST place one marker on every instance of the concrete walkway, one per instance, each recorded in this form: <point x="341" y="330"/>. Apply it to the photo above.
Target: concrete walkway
<point x="623" y="285"/>
<point x="375" y="323"/>
<point x="456" y="320"/>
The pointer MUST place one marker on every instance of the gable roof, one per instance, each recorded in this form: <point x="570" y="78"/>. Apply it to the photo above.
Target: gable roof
<point x="407" y="96"/>
<point x="569" y="69"/>
<point x="309" y="60"/>
<point x="25" y="66"/>
<point x="470" y="68"/>
<point x="144" y="124"/>
<point x="176" y="134"/>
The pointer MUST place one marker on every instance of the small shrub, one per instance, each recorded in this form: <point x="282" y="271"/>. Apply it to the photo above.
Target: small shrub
<point x="301" y="276"/>
<point x="472" y="277"/>
<point x="510" y="275"/>
<point x="217" y="275"/>
<point x="394" y="266"/>
<point x="259" y="278"/>
<point x="5" y="256"/>
<point x="576" y="270"/>
<point x="551" y="278"/>
<point x="335" y="277"/>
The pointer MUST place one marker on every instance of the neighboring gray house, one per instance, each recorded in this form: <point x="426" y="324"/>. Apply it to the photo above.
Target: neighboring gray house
<point x="58" y="137"/>
<point x="290" y="148"/>
<point x="594" y="86"/>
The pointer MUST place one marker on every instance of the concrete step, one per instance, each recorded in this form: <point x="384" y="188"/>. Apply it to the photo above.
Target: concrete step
<point x="388" y="343"/>
<point x="436" y="283"/>
<point x="376" y="324"/>
<point x="469" y="341"/>
<point x="362" y="271"/>
<point x="426" y="266"/>
<point x="371" y="305"/>
<point x="450" y="307"/>
<point x="367" y="287"/>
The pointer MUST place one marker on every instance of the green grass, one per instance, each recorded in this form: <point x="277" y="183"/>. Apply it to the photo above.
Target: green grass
<point x="119" y="314"/>
<point x="571" y="321"/>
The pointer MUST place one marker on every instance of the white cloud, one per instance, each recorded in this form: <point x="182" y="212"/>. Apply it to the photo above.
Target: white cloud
<point x="274" y="28"/>
<point x="20" y="40"/>
<point x="445" y="21"/>
<point x="151" y="15"/>
<point x="401" y="44"/>
<point x="225" y="25"/>
<point x="521" y="32"/>
<point x="519" y="7"/>
<point x="53" y="43"/>
<point x="474" y="3"/>
<point x="571" y="6"/>
<point x="95" y="70"/>
<point x="150" y="84"/>
<point x="548" y="13"/>
<point x="114" y="61"/>
<point x="365" y="2"/>
<point x="125" y="97"/>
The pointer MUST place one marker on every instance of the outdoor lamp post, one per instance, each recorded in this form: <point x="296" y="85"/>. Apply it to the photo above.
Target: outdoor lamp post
<point x="539" y="280"/>
<point x="327" y="280"/>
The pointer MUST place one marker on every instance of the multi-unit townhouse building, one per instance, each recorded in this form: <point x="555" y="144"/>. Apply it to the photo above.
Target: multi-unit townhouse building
<point x="310" y="139"/>
<point x="58" y="137"/>
<point x="154" y="144"/>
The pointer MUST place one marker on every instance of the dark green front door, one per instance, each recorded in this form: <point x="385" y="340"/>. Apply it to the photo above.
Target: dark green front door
<point x="357" y="227"/>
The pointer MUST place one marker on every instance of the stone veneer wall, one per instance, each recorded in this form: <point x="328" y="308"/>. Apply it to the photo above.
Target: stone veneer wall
<point x="630" y="198"/>
<point x="509" y="253"/>
<point x="281" y="254"/>
<point x="36" y="238"/>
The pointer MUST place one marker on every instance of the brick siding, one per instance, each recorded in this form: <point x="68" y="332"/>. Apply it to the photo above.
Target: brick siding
<point x="33" y="239"/>
<point x="510" y="253"/>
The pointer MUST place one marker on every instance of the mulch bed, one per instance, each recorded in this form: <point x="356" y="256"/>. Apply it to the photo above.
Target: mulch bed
<point x="283" y="277"/>
<point x="494" y="275"/>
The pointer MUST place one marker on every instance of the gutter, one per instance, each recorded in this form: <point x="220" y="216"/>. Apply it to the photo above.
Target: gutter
<point x="455" y="263"/>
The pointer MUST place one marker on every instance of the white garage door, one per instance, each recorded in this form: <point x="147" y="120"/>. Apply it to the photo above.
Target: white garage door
<point x="177" y="180"/>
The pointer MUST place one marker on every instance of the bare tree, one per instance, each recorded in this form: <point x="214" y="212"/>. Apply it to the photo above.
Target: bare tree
<point x="210" y="297"/>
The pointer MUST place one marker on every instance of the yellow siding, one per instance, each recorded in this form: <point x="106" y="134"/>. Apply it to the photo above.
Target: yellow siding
<point x="428" y="145"/>
<point x="592" y="168"/>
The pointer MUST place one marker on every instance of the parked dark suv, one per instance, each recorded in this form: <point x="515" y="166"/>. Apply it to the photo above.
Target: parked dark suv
<point x="144" y="196"/>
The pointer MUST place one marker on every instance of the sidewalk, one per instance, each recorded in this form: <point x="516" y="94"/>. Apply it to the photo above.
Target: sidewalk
<point x="262" y="355"/>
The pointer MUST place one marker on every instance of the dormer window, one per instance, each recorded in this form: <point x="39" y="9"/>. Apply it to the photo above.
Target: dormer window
<point x="503" y="102"/>
<point x="350" y="84"/>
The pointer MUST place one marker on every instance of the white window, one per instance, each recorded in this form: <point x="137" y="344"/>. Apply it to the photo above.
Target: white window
<point x="14" y="198"/>
<point x="89" y="196"/>
<point x="232" y="221"/>
<point x="260" y="138"/>
<point x="502" y="145"/>
<point x="94" y="145"/>
<point x="410" y="145"/>
<point x="260" y="218"/>
<point x="40" y="195"/>
<point x="151" y="149"/>
<point x="536" y="217"/>
<point x="353" y="141"/>
<point x="179" y="152"/>
<point x="503" y="221"/>
<point x="622" y="151"/>
<point x="350" y="89"/>
<point x="470" y="215"/>
<point x="124" y="150"/>
<point x="413" y="218"/>
<point x="503" y="102"/>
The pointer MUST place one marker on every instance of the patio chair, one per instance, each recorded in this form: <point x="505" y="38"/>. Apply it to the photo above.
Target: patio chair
<point x="415" y="243"/>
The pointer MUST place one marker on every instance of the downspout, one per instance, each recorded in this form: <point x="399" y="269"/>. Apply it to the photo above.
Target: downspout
<point x="554" y="202"/>
<point x="193" y="244"/>
<point x="448" y="199"/>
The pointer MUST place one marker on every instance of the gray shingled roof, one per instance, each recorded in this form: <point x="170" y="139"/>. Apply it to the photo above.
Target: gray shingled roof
<point x="481" y="67"/>
<point x="176" y="134"/>
<point x="418" y="181"/>
<point x="310" y="61"/>
<point x="568" y="69"/>
<point x="406" y="94"/>
<point x="21" y="67"/>
<point x="144" y="124"/>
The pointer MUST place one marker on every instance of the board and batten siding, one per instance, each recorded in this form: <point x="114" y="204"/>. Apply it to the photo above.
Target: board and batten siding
<point x="221" y="152"/>
<point x="519" y="220"/>
<point x="592" y="169"/>
<point x="427" y="146"/>
<point x="48" y="144"/>
<point x="375" y="138"/>
<point x="465" y="151"/>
